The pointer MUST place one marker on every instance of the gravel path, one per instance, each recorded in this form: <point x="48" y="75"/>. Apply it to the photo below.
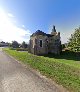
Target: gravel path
<point x="14" y="77"/>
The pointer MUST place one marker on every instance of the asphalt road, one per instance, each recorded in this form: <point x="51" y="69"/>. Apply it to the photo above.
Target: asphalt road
<point x="14" y="77"/>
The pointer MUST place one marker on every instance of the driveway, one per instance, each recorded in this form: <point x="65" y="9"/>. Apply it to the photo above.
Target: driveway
<point x="14" y="77"/>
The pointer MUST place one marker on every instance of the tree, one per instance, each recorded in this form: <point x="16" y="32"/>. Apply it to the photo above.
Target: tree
<point x="24" y="45"/>
<point x="15" y="44"/>
<point x="74" y="41"/>
<point x="63" y="46"/>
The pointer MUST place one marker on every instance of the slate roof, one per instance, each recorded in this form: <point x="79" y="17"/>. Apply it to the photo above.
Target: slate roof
<point x="49" y="35"/>
<point x="38" y="32"/>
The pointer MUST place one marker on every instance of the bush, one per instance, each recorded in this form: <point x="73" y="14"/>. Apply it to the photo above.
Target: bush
<point x="11" y="48"/>
<point x="21" y="49"/>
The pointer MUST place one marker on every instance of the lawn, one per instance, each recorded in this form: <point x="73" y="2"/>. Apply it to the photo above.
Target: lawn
<point x="63" y="69"/>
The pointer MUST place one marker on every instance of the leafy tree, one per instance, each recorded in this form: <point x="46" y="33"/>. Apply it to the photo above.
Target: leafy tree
<point x="15" y="44"/>
<point x="74" y="41"/>
<point x="63" y="46"/>
<point x="24" y="45"/>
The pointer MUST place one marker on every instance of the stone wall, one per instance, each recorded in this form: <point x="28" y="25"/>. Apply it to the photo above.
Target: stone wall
<point x="35" y="45"/>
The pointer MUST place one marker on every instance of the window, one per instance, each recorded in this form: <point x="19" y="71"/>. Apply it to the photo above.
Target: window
<point x="47" y="41"/>
<point x="40" y="43"/>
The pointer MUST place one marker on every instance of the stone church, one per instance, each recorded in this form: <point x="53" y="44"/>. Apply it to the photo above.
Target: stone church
<point x="42" y="43"/>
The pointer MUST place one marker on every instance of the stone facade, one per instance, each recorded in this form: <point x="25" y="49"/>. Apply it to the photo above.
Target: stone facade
<point x="42" y="43"/>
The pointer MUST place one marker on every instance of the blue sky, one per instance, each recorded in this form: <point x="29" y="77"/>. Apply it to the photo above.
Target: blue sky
<point x="31" y="15"/>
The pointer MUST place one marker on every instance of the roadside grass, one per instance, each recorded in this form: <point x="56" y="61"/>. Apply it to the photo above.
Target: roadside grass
<point x="63" y="69"/>
<point x="18" y="49"/>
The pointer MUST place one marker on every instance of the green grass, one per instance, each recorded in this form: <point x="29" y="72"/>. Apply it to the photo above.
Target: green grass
<point x="63" y="69"/>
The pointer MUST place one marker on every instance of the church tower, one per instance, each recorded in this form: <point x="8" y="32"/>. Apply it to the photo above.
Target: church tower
<point x="53" y="31"/>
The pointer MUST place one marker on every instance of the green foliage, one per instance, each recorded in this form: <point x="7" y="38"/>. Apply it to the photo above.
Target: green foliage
<point x="15" y="44"/>
<point x="64" y="69"/>
<point x="74" y="41"/>
<point x="11" y="48"/>
<point x="18" y="49"/>
<point x="24" y="45"/>
<point x="63" y="46"/>
<point x="21" y="49"/>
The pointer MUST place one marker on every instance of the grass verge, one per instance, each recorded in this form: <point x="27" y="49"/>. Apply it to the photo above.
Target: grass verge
<point x="64" y="71"/>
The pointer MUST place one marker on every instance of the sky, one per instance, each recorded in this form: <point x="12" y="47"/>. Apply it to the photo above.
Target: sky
<point x="20" y="18"/>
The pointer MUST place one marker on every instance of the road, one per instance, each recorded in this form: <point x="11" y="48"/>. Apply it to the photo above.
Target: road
<point x="14" y="77"/>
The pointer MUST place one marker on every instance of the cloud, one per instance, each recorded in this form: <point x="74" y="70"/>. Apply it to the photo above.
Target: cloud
<point x="10" y="15"/>
<point x="23" y="26"/>
<point x="66" y="35"/>
<point x="9" y="31"/>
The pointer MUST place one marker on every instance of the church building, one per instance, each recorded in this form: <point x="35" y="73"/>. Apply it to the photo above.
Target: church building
<point x="42" y="43"/>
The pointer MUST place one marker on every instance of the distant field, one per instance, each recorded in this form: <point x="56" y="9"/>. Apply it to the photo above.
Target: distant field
<point x="63" y="69"/>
